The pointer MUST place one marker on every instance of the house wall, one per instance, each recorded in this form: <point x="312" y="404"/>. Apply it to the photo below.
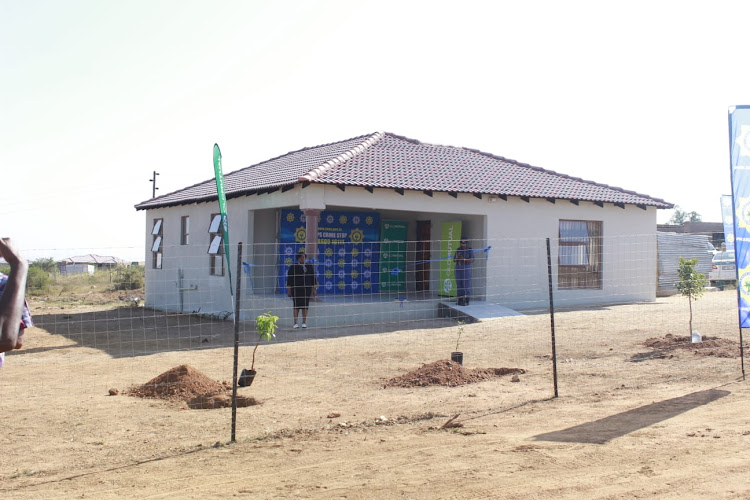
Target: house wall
<point x="519" y="231"/>
<point x="514" y="274"/>
<point x="77" y="269"/>
<point x="184" y="283"/>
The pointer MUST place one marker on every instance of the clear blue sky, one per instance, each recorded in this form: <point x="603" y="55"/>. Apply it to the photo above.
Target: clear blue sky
<point x="98" y="94"/>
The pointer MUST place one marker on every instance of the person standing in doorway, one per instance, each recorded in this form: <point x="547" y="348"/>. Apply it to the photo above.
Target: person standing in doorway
<point x="462" y="260"/>
<point x="301" y="285"/>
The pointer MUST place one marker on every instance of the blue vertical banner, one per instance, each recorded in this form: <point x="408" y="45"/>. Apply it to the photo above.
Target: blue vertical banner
<point x="739" y="158"/>
<point x="727" y="220"/>
<point x="348" y="250"/>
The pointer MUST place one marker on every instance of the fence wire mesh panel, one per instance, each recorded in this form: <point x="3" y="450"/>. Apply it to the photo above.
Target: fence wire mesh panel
<point x="130" y="363"/>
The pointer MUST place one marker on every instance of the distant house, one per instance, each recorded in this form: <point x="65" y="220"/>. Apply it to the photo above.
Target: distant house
<point x="88" y="263"/>
<point x="387" y="180"/>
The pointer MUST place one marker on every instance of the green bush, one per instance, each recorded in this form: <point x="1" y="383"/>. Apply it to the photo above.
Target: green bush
<point x="46" y="264"/>
<point x="129" y="277"/>
<point x="38" y="281"/>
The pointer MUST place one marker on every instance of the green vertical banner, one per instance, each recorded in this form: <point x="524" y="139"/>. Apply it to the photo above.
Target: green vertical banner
<point x="450" y="235"/>
<point x="223" y="211"/>
<point x="393" y="255"/>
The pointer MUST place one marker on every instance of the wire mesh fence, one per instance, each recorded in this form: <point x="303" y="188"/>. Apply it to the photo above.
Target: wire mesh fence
<point x="97" y="341"/>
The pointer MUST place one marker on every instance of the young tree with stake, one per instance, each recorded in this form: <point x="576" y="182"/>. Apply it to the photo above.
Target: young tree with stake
<point x="690" y="284"/>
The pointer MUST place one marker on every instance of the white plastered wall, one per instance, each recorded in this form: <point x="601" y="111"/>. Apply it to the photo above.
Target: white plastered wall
<point x="514" y="275"/>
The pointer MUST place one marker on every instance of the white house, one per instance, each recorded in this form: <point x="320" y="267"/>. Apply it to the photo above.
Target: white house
<point x="81" y="264"/>
<point x="602" y="238"/>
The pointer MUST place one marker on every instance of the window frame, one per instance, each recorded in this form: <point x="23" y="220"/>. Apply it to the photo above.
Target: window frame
<point x="216" y="265"/>
<point x="580" y="259"/>
<point x="157" y="244"/>
<point x="185" y="230"/>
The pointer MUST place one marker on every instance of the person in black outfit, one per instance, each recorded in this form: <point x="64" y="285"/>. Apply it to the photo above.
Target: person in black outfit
<point x="301" y="285"/>
<point x="463" y="259"/>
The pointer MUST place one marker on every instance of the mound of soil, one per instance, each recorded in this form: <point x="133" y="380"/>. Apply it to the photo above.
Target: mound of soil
<point x="448" y="373"/>
<point x="212" y="401"/>
<point x="185" y="384"/>
<point x="710" y="346"/>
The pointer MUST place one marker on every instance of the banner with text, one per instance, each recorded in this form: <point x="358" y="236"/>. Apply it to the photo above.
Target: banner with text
<point x="393" y="255"/>
<point x="348" y="244"/>
<point x="739" y="155"/>
<point x="450" y="235"/>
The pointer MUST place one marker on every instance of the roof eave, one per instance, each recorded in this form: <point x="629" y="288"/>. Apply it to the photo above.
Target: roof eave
<point x="152" y="204"/>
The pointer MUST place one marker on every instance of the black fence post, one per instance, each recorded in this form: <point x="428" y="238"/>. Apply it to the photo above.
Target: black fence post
<point x="236" y="339"/>
<point x="552" y="317"/>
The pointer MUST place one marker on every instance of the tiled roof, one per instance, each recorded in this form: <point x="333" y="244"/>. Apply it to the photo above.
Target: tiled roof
<point x="386" y="160"/>
<point x="92" y="259"/>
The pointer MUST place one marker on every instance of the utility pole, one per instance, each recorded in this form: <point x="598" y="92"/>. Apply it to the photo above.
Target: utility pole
<point x="153" y="191"/>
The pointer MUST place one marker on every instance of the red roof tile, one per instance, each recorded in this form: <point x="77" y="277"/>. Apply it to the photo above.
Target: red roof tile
<point x="389" y="161"/>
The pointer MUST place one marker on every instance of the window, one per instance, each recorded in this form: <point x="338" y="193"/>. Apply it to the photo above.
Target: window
<point x="216" y="246"/>
<point x="185" y="230"/>
<point x="580" y="255"/>
<point x="157" y="244"/>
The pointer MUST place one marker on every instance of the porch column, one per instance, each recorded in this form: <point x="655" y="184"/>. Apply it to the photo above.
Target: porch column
<point x="312" y="216"/>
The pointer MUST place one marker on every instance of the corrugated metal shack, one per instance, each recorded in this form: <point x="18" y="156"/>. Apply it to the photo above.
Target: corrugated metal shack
<point x="672" y="246"/>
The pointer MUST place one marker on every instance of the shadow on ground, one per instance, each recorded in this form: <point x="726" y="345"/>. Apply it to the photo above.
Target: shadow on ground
<point x="138" y="331"/>
<point x="606" y="429"/>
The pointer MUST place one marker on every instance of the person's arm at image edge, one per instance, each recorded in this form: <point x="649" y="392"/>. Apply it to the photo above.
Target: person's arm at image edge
<point x="12" y="300"/>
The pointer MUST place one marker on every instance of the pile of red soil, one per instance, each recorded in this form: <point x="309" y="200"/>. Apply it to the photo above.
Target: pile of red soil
<point x="709" y="346"/>
<point x="186" y="384"/>
<point x="448" y="373"/>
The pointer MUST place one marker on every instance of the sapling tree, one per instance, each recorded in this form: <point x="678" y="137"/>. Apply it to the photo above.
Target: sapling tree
<point x="460" y="324"/>
<point x="265" y="324"/>
<point x="690" y="283"/>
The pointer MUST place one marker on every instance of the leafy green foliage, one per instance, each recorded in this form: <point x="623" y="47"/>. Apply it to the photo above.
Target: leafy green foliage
<point x="129" y="277"/>
<point x="37" y="281"/>
<point x="47" y="264"/>
<point x="40" y="277"/>
<point x="265" y="324"/>
<point x="690" y="284"/>
<point x="679" y="217"/>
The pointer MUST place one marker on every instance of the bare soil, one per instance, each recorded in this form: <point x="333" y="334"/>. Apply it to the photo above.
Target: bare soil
<point x="448" y="373"/>
<point x="97" y="405"/>
<point x="709" y="346"/>
<point x="185" y="384"/>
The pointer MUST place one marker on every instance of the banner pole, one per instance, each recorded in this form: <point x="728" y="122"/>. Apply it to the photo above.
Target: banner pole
<point x="236" y="341"/>
<point x="737" y="246"/>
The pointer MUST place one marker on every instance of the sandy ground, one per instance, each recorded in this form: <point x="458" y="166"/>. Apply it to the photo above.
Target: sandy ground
<point x="635" y="418"/>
